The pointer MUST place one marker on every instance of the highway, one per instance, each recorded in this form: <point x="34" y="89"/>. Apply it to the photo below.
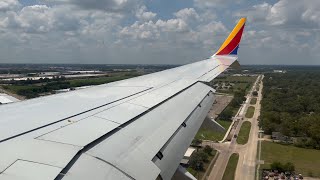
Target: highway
<point x="247" y="153"/>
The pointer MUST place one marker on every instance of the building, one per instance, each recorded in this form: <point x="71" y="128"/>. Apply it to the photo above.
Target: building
<point x="187" y="155"/>
<point x="279" y="137"/>
<point x="279" y="71"/>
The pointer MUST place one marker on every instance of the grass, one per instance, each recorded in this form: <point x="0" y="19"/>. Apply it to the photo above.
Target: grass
<point x="240" y="83"/>
<point x="253" y="101"/>
<point x="192" y="171"/>
<point x="230" y="171"/>
<point x="250" y="112"/>
<point x="212" y="135"/>
<point x="15" y="88"/>
<point x="236" y="79"/>
<point x="243" y="135"/>
<point x="306" y="161"/>
<point x="209" y="134"/>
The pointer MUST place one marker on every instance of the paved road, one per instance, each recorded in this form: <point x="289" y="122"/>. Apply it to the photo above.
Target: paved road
<point x="247" y="157"/>
<point x="247" y="153"/>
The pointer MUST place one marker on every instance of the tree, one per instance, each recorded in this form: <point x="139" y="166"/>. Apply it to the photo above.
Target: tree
<point x="203" y="156"/>
<point x="255" y="93"/>
<point x="197" y="160"/>
<point x="196" y="142"/>
<point x="196" y="164"/>
<point x="226" y="114"/>
<point x="277" y="166"/>
<point x="289" y="167"/>
<point x="207" y="149"/>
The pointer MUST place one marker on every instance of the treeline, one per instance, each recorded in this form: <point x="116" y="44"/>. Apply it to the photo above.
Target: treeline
<point x="228" y="112"/>
<point x="291" y="105"/>
<point x="200" y="157"/>
<point x="29" y="81"/>
<point x="35" y="91"/>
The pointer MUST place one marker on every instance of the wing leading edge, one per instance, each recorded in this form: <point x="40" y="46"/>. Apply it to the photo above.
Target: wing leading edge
<point x="137" y="128"/>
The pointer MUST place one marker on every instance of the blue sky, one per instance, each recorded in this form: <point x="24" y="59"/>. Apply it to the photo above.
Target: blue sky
<point x="157" y="31"/>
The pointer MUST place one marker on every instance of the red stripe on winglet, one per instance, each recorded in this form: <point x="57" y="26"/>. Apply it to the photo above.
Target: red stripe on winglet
<point x="233" y="44"/>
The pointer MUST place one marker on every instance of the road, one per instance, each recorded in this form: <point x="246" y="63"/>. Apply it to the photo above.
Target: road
<point x="247" y="153"/>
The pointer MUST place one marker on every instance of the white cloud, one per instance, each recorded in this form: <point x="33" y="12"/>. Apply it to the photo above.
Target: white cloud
<point x="145" y="31"/>
<point x="152" y="30"/>
<point x="106" y="5"/>
<point x="257" y="13"/>
<point x="144" y="15"/>
<point x="286" y="13"/>
<point x="173" y="25"/>
<point x="203" y="4"/>
<point x="186" y="14"/>
<point x="41" y="19"/>
<point x="6" y="5"/>
<point x="113" y="31"/>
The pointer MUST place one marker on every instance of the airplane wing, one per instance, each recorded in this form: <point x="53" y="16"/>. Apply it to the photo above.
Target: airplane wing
<point x="137" y="128"/>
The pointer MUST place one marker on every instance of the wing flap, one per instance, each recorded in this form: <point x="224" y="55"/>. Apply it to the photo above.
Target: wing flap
<point x="88" y="167"/>
<point x="82" y="132"/>
<point x="174" y="149"/>
<point x="162" y="93"/>
<point x="30" y="171"/>
<point x="116" y="114"/>
<point x="145" y="136"/>
<point x="40" y="112"/>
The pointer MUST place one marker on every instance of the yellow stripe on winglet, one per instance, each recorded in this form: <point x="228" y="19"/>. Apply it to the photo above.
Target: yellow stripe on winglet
<point x="233" y="33"/>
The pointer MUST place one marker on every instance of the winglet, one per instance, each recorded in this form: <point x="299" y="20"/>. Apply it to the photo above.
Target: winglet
<point x="231" y="44"/>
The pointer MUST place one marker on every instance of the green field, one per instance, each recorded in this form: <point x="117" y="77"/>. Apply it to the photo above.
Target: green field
<point x="230" y="171"/>
<point x="236" y="79"/>
<point x="243" y="135"/>
<point x="253" y="101"/>
<point x="306" y="161"/>
<point x="240" y="83"/>
<point x="209" y="134"/>
<point x="250" y="112"/>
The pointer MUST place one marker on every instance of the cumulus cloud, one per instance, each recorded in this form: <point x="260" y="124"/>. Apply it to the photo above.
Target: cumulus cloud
<point x="144" y="15"/>
<point x="113" y="31"/>
<point x="152" y="30"/>
<point x="173" y="25"/>
<point x="287" y="13"/>
<point x="258" y="13"/>
<point x="41" y="19"/>
<point x="146" y="31"/>
<point x="203" y="4"/>
<point x="106" y="5"/>
<point x="6" y="5"/>
<point x="186" y="14"/>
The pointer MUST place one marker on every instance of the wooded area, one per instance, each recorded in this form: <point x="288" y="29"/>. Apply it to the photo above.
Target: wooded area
<point x="291" y="105"/>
